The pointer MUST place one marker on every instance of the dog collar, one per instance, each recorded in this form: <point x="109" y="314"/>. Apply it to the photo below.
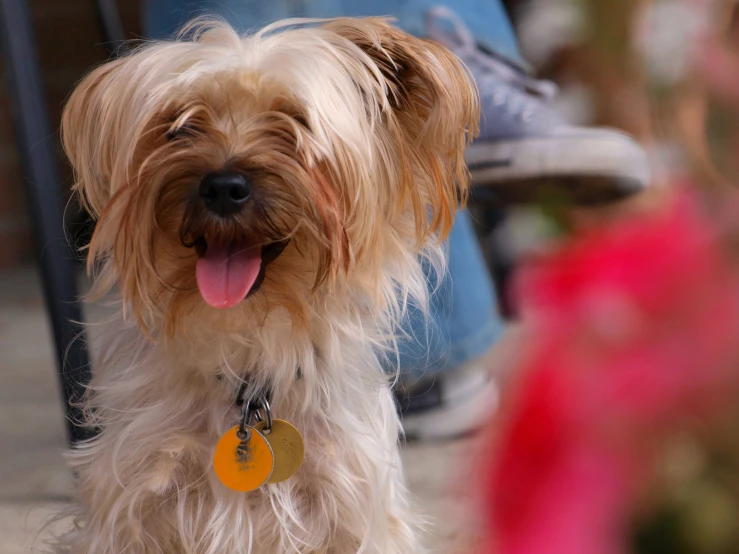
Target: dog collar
<point x="264" y="393"/>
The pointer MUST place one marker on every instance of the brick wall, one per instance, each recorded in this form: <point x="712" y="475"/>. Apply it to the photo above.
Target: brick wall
<point x="69" y="41"/>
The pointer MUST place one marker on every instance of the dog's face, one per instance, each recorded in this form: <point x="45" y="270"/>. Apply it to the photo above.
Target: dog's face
<point x="258" y="172"/>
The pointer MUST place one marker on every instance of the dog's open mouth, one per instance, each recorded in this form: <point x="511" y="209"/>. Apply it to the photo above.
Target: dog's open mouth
<point x="228" y="272"/>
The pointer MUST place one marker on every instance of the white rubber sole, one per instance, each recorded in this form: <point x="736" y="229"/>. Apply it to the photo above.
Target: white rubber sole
<point x="590" y="163"/>
<point x="468" y="405"/>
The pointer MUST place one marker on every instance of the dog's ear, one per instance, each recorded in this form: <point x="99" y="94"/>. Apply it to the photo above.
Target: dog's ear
<point x="90" y="119"/>
<point x="433" y="112"/>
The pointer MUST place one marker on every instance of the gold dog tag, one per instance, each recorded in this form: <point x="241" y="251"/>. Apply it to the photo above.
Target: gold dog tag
<point x="287" y="445"/>
<point x="245" y="464"/>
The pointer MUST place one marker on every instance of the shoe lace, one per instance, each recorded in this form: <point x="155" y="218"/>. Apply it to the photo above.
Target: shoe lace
<point x="497" y="81"/>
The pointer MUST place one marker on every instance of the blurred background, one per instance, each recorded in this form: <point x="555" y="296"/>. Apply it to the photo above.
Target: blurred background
<point x="631" y="64"/>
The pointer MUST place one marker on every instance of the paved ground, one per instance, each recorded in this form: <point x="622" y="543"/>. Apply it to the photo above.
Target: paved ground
<point x="34" y="482"/>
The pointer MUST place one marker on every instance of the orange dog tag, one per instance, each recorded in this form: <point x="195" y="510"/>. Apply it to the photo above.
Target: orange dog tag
<point x="243" y="465"/>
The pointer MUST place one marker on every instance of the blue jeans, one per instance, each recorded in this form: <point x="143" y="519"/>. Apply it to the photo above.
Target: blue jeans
<point x="464" y="319"/>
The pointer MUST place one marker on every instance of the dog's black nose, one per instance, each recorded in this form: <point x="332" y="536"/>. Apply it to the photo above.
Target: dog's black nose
<point x="225" y="192"/>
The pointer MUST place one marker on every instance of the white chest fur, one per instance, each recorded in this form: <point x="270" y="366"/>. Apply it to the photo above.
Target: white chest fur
<point x="146" y="484"/>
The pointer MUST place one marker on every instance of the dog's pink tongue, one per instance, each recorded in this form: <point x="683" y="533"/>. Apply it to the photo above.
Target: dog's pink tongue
<point x="227" y="273"/>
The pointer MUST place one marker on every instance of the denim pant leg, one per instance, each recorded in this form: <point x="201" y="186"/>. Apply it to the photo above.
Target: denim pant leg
<point x="487" y="19"/>
<point x="464" y="320"/>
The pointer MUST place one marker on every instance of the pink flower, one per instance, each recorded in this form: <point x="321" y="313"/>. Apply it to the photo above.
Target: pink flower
<point x="549" y="492"/>
<point x="634" y="332"/>
<point x="650" y="301"/>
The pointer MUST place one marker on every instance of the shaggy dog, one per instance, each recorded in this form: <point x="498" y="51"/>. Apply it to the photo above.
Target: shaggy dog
<point x="264" y="204"/>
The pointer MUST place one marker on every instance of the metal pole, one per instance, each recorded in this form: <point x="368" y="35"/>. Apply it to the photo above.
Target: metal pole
<point x="35" y="143"/>
<point x="110" y="20"/>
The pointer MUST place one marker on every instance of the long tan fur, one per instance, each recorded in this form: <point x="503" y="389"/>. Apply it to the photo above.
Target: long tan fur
<point x="353" y="134"/>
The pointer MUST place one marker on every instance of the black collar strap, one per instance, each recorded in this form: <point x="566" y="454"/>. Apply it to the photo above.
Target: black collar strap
<point x="265" y="394"/>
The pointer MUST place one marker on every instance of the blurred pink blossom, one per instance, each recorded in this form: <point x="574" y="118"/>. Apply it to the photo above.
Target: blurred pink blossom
<point x="633" y="335"/>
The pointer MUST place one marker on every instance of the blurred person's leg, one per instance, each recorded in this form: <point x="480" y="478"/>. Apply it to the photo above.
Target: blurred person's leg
<point x="524" y="144"/>
<point x="447" y="388"/>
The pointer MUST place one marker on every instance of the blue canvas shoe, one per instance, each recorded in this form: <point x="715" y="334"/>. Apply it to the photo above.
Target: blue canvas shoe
<point x="526" y="152"/>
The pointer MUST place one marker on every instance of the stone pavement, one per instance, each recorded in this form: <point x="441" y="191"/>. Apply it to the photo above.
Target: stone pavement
<point x="34" y="482"/>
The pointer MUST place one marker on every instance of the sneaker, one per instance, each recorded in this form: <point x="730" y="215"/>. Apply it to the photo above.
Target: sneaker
<point x="526" y="152"/>
<point x="449" y="405"/>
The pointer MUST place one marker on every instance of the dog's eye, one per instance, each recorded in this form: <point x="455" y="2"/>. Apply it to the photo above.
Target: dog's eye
<point x="184" y="131"/>
<point x="302" y="120"/>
